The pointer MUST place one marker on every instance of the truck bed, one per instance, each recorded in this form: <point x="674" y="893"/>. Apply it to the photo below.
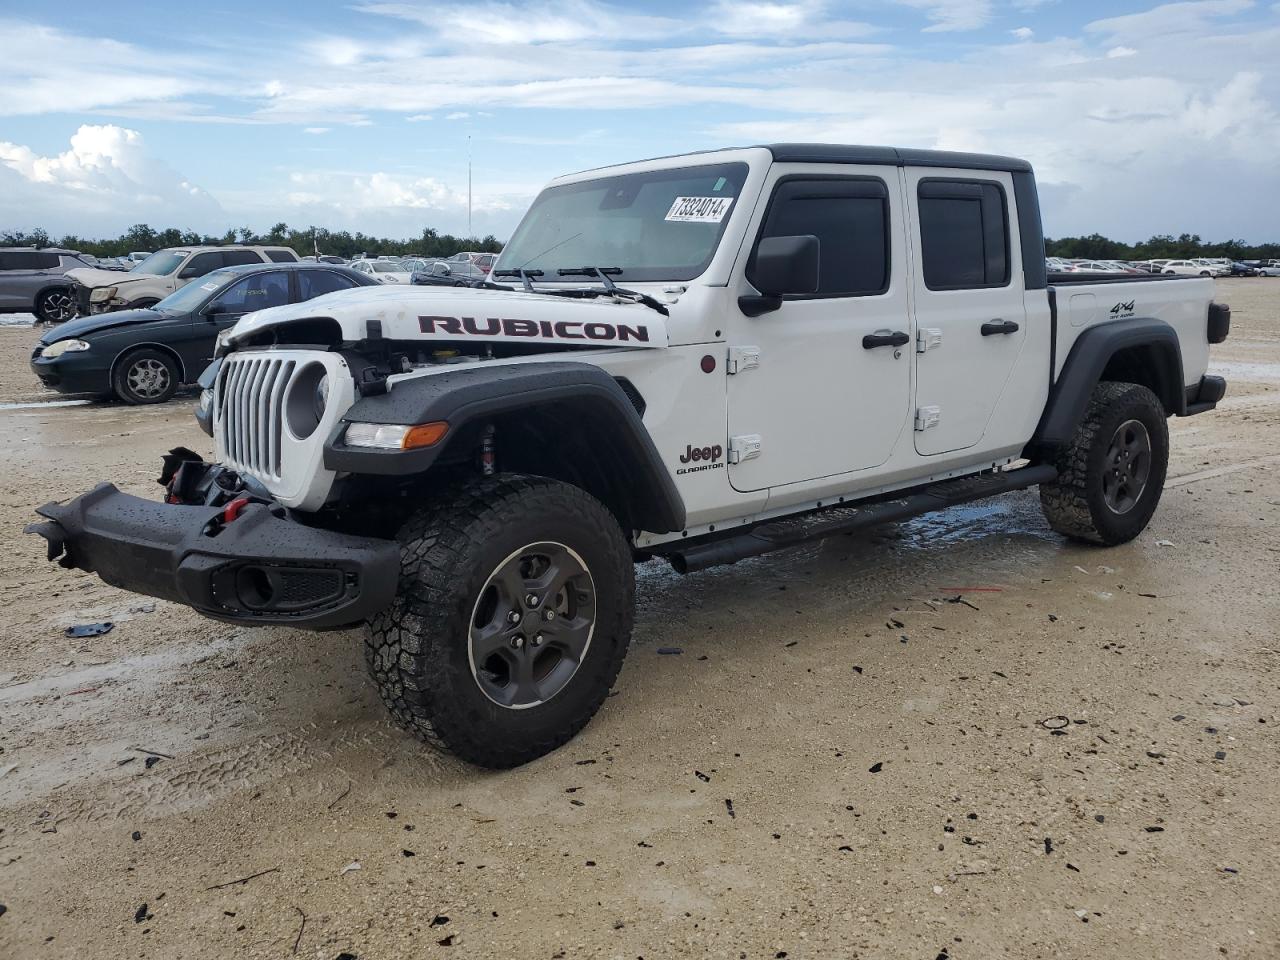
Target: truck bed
<point x="1082" y="300"/>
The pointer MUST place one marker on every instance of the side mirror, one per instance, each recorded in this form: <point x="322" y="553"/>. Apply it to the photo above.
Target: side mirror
<point x="189" y="273"/>
<point x="783" y="266"/>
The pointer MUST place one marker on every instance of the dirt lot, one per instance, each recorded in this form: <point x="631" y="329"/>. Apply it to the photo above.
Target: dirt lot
<point x="840" y="763"/>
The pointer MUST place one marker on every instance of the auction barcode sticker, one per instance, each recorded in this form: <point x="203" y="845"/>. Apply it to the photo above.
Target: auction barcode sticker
<point x="699" y="209"/>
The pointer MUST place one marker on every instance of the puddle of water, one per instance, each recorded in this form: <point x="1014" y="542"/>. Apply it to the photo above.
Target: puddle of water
<point x="40" y="404"/>
<point x="1246" y="370"/>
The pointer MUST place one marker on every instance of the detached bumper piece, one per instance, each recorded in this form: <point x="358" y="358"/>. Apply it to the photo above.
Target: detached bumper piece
<point x="242" y="565"/>
<point x="1205" y="395"/>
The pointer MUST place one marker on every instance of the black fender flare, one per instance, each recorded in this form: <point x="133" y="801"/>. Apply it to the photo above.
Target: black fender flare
<point x="1089" y="357"/>
<point x="473" y="393"/>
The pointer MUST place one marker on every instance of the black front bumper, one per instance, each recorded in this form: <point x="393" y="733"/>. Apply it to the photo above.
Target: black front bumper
<point x="258" y="568"/>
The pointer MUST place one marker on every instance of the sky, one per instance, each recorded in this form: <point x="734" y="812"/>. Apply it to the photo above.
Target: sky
<point x="1140" y="118"/>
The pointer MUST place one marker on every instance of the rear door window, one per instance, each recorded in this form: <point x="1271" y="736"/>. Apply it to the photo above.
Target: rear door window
<point x="28" y="260"/>
<point x="201" y="264"/>
<point x="282" y="256"/>
<point x="964" y="232"/>
<point x="232" y="258"/>
<point x="315" y="283"/>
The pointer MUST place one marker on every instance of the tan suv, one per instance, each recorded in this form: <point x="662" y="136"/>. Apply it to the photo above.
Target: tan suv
<point x="102" y="291"/>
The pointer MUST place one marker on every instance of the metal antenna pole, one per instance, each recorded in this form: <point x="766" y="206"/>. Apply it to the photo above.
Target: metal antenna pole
<point x="468" y="184"/>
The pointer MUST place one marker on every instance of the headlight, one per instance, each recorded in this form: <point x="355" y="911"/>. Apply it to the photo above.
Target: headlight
<point x="102" y="294"/>
<point x="394" y="436"/>
<point x="204" y="403"/>
<point x="59" y="347"/>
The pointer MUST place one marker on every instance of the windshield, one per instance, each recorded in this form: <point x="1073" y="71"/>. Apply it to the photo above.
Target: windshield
<point x="161" y="264"/>
<point x="658" y="225"/>
<point x="386" y="266"/>
<point x="190" y="297"/>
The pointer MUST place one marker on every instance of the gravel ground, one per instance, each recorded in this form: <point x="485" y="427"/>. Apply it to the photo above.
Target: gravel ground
<point x="1077" y="759"/>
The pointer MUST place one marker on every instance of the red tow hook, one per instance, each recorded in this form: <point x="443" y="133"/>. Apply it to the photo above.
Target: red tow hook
<point x="232" y="509"/>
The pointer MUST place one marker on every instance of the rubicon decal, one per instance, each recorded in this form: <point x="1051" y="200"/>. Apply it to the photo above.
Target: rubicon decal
<point x="546" y="329"/>
<point x="708" y="458"/>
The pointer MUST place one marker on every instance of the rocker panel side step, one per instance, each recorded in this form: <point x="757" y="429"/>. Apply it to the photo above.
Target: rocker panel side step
<point x="791" y="531"/>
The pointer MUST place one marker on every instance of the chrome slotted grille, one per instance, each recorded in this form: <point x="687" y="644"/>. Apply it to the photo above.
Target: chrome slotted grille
<point x="250" y="412"/>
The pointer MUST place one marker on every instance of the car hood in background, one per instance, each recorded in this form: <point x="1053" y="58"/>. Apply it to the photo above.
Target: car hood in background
<point x="94" y="277"/>
<point x="100" y="322"/>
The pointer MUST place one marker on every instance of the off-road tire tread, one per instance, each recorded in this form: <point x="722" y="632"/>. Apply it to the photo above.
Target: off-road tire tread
<point x="1065" y="503"/>
<point x="405" y="645"/>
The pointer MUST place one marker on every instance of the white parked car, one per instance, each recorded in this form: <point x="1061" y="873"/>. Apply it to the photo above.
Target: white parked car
<point x="384" y="271"/>
<point x="1216" y="268"/>
<point x="1187" y="268"/>
<point x="160" y="274"/>
<point x="1099" y="266"/>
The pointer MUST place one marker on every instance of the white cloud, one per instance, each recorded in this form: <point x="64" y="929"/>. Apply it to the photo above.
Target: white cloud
<point x="1023" y="33"/>
<point x="316" y="131"/>
<point x="952" y="15"/>
<point x="1187" y="17"/>
<point x="1115" y="53"/>
<point x="457" y="115"/>
<point x="418" y="118"/>
<point x="106" y="170"/>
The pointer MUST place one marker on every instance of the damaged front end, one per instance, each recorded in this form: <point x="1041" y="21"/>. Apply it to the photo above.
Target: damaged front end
<point x="222" y="545"/>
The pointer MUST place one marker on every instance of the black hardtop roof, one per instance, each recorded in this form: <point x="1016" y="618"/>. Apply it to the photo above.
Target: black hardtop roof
<point x="855" y="153"/>
<point x="894" y="156"/>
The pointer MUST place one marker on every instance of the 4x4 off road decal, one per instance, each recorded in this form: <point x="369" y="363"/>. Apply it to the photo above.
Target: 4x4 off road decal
<point x="1122" y="310"/>
<point x="707" y="458"/>
<point x="507" y="327"/>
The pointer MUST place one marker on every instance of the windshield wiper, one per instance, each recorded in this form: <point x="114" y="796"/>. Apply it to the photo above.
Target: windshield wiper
<point x="612" y="289"/>
<point x="522" y="273"/>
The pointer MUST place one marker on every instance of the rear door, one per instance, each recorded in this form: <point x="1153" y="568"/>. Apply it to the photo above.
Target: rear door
<point x="969" y="309"/>
<point x="812" y="397"/>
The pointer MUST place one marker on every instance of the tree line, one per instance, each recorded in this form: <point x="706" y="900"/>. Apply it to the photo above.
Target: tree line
<point x="1187" y="246"/>
<point x="431" y="243"/>
<point x="305" y="241"/>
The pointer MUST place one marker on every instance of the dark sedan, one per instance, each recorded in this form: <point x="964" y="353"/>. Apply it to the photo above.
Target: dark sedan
<point x="143" y="356"/>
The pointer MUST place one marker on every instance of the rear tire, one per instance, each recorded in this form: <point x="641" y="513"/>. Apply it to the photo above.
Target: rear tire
<point x="55" y="306"/>
<point x="511" y="620"/>
<point x="1111" y="474"/>
<point x="146" y="376"/>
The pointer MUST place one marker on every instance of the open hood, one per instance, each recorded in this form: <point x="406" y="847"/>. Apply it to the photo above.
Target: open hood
<point x="465" y="313"/>
<point x="93" y="277"/>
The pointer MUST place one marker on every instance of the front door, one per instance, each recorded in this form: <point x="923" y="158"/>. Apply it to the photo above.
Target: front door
<point x="823" y="384"/>
<point x="969" y="309"/>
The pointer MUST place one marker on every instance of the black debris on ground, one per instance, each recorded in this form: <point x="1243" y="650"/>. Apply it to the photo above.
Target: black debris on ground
<point x="1048" y="845"/>
<point x="407" y="853"/>
<point x="702" y="776"/>
<point x="439" y="920"/>
<point x="875" y="767"/>
<point x="151" y="762"/>
<point x="728" y="806"/>
<point x="857" y="670"/>
<point x="670" y="651"/>
<point x="137" y="835"/>
<point x="90" y="629"/>
<point x="141" y="914"/>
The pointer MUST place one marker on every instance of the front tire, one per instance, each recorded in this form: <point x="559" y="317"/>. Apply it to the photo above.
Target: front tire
<point x="146" y="376"/>
<point x="511" y="620"/>
<point x="55" y="306"/>
<point x="1111" y="474"/>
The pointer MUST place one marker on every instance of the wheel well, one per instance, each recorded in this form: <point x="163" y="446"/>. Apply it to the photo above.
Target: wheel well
<point x="49" y="288"/>
<point x="577" y="443"/>
<point x="159" y="347"/>
<point x="1150" y="365"/>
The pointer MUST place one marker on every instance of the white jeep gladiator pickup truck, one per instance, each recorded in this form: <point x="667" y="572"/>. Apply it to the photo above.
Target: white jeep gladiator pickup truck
<point x="702" y="358"/>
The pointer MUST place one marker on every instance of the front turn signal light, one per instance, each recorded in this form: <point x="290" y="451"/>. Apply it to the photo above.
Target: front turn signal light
<point x="394" y="436"/>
